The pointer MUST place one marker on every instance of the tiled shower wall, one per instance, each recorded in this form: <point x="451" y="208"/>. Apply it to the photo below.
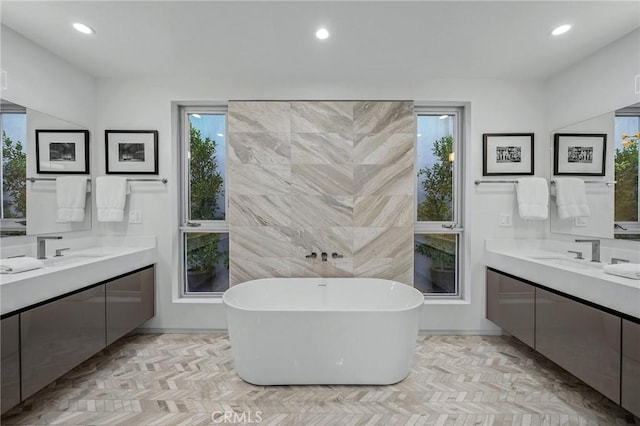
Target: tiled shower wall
<point x="321" y="176"/>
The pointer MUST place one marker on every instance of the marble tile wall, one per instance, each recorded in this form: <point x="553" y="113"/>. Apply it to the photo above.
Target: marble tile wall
<point x="321" y="176"/>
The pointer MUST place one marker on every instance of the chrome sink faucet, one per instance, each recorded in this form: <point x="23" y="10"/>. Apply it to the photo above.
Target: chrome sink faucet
<point x="41" y="248"/>
<point x="595" y="248"/>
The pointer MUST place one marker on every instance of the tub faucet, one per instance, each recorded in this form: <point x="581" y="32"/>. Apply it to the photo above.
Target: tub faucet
<point x="595" y="249"/>
<point x="615" y="260"/>
<point x="336" y="256"/>
<point x="313" y="255"/>
<point x="324" y="256"/>
<point x="40" y="245"/>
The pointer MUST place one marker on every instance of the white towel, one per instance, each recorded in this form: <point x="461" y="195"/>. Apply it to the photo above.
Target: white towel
<point x="19" y="264"/>
<point x="627" y="270"/>
<point x="533" y="198"/>
<point x="571" y="198"/>
<point x="111" y="193"/>
<point x="71" y="196"/>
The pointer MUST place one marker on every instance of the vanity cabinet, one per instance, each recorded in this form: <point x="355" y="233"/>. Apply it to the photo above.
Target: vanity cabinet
<point x="631" y="366"/>
<point x="511" y="305"/>
<point x="57" y="336"/>
<point x="10" y="363"/>
<point x="44" y="341"/>
<point x="596" y="344"/>
<point x="130" y="302"/>
<point x="582" y="339"/>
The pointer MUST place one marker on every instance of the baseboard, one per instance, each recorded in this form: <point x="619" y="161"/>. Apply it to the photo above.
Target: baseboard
<point x="461" y="332"/>
<point x="223" y="331"/>
<point x="178" y="331"/>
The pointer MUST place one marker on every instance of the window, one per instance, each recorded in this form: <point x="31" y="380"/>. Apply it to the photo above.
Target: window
<point x="627" y="139"/>
<point x="204" y="230"/>
<point x="438" y="228"/>
<point x="13" y="194"/>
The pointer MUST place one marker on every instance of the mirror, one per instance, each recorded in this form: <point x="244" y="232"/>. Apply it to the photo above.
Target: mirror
<point x="29" y="208"/>
<point x="609" y="203"/>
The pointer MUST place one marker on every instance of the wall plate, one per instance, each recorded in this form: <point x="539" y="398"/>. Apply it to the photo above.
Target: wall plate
<point x="504" y="219"/>
<point x="135" y="216"/>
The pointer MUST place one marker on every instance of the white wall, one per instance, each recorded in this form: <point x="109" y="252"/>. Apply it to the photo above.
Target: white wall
<point x="42" y="81"/>
<point x="495" y="106"/>
<point x="595" y="87"/>
<point x="599" y="196"/>
<point x="41" y="195"/>
<point x="601" y="83"/>
<point x="45" y="83"/>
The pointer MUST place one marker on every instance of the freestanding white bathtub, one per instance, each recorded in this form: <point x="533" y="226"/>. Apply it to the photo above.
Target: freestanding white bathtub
<point x="304" y="331"/>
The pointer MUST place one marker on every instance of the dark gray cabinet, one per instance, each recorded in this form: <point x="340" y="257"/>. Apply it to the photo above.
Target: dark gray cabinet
<point x="130" y="302"/>
<point x="630" y="397"/>
<point x="57" y="336"/>
<point x="10" y="363"/>
<point x="44" y="341"/>
<point x="511" y="305"/>
<point x="582" y="339"/>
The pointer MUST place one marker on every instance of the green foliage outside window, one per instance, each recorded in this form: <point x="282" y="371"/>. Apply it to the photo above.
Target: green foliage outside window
<point x="437" y="184"/>
<point x="206" y="184"/>
<point x="205" y="181"/>
<point x="626" y="175"/>
<point x="14" y="174"/>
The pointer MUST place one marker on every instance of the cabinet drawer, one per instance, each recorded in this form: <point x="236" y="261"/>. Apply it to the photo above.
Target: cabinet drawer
<point x="130" y="302"/>
<point x="581" y="339"/>
<point x="630" y="398"/>
<point x="10" y="363"/>
<point x="511" y="305"/>
<point x="59" y="335"/>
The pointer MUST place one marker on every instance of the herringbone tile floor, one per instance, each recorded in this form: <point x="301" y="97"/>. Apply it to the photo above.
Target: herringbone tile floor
<point x="186" y="379"/>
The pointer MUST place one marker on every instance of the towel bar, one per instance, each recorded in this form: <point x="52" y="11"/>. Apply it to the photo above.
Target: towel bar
<point x="479" y="181"/>
<point x="163" y="180"/>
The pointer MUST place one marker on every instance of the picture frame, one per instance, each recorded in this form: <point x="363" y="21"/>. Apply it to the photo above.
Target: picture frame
<point x="62" y="151"/>
<point x="132" y="152"/>
<point x="507" y="154"/>
<point x="579" y="154"/>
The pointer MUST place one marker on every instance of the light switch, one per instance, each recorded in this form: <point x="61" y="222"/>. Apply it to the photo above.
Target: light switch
<point x="581" y="222"/>
<point x="135" y="216"/>
<point x="504" y="219"/>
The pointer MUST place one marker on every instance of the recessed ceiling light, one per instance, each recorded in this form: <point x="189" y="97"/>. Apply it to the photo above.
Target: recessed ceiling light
<point x="84" y="29"/>
<point x="419" y="134"/>
<point x="220" y="134"/>
<point x="444" y="116"/>
<point x="195" y="115"/>
<point x="561" y="29"/>
<point x="322" y="34"/>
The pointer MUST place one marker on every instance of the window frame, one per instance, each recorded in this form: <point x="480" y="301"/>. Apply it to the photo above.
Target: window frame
<point x="626" y="227"/>
<point x="187" y="225"/>
<point x="456" y="225"/>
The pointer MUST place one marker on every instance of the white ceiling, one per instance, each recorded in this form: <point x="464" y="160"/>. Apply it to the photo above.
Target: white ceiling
<point x="380" y="40"/>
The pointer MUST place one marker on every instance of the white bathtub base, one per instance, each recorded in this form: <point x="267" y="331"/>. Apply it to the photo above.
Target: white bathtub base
<point x="325" y="346"/>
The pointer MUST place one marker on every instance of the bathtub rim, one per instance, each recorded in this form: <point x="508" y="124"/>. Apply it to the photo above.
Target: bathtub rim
<point x="381" y="310"/>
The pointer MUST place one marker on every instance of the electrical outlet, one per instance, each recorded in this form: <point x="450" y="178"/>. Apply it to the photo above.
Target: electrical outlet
<point x="581" y="222"/>
<point x="504" y="219"/>
<point x="135" y="216"/>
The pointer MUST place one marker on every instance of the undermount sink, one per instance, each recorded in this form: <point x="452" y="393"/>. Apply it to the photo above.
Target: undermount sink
<point x="72" y="259"/>
<point x="569" y="262"/>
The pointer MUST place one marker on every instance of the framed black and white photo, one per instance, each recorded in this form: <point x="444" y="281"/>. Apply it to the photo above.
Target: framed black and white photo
<point x="579" y="154"/>
<point x="131" y="151"/>
<point x="507" y="154"/>
<point x="62" y="151"/>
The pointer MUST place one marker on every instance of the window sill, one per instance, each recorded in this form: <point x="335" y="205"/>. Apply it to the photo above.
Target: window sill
<point x="216" y="300"/>
<point x="430" y="301"/>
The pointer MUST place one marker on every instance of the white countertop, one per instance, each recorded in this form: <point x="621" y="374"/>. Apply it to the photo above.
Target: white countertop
<point x="584" y="280"/>
<point x="75" y="270"/>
